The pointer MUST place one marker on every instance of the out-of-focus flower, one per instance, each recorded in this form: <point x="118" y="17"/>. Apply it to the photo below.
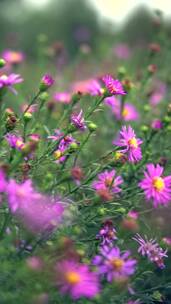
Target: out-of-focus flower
<point x="15" y="142"/>
<point x="107" y="234"/>
<point x="77" y="174"/>
<point x="34" y="263"/>
<point x="154" y="47"/>
<point x="76" y="279"/>
<point x="156" y="187"/>
<point x="107" y="182"/>
<point x="38" y="212"/>
<point x="46" y="82"/>
<point x="113" y="264"/>
<point x="13" y="57"/>
<point x="78" y="121"/>
<point x="89" y="86"/>
<point x="151" y="249"/>
<point x="9" y="81"/>
<point x="129" y="111"/>
<point x="131" y="145"/>
<point x="63" y="97"/>
<point x="122" y="51"/>
<point x="152" y="68"/>
<point x="157" y="124"/>
<point x="167" y="240"/>
<point x="158" y="93"/>
<point x="3" y="182"/>
<point x="114" y="86"/>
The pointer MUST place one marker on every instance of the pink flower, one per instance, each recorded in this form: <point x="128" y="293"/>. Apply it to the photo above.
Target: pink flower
<point x="13" y="57"/>
<point x="114" y="86"/>
<point x="127" y="139"/>
<point x="89" y="86"/>
<point x="157" y="124"/>
<point x="129" y="111"/>
<point x="46" y="82"/>
<point x="151" y="249"/>
<point x="76" y="279"/>
<point x="37" y="212"/>
<point x="122" y="51"/>
<point x="156" y="187"/>
<point x="108" y="181"/>
<point x="9" y="81"/>
<point x="63" y="97"/>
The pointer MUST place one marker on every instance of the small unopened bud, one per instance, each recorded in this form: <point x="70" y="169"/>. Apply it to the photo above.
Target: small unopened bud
<point x="154" y="47"/>
<point x="2" y="63"/>
<point x="121" y="72"/>
<point x="46" y="82"/>
<point x="92" y="127"/>
<point x="73" y="146"/>
<point x="144" y="128"/>
<point x="147" y="108"/>
<point x="27" y="116"/>
<point x="167" y="119"/>
<point x="44" y="96"/>
<point x="152" y="68"/>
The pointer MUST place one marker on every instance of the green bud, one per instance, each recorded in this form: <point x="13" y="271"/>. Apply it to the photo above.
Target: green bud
<point x="102" y="211"/>
<point x="144" y="128"/>
<point x="167" y="119"/>
<point x="2" y="63"/>
<point x="121" y="71"/>
<point x="147" y="108"/>
<point x="27" y="116"/>
<point x="121" y="210"/>
<point x="92" y="127"/>
<point x="73" y="146"/>
<point x="168" y="128"/>
<point x="44" y="96"/>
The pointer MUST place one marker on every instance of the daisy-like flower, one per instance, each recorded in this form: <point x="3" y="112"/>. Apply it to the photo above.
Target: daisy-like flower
<point x="15" y="142"/>
<point x="78" y="121"/>
<point x="107" y="184"/>
<point x="113" y="264"/>
<point x="114" y="86"/>
<point x="151" y="249"/>
<point x="76" y="279"/>
<point x="13" y="57"/>
<point x="62" y="97"/>
<point x="9" y="81"/>
<point x="156" y="187"/>
<point x="129" y="112"/>
<point x="130" y="143"/>
<point x="107" y="234"/>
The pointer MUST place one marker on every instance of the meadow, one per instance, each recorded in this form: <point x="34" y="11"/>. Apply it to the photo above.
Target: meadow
<point x="85" y="174"/>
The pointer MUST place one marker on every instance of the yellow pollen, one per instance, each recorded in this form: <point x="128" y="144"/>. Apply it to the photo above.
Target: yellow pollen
<point x="57" y="154"/>
<point x="118" y="155"/>
<point x="158" y="183"/>
<point x="72" y="277"/>
<point x="117" y="263"/>
<point x="133" y="142"/>
<point x="19" y="143"/>
<point x="125" y="112"/>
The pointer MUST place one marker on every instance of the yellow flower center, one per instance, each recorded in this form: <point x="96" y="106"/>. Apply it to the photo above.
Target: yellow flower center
<point x="15" y="56"/>
<point x="72" y="277"/>
<point x="19" y="143"/>
<point x="133" y="142"/>
<point x="108" y="181"/>
<point x="158" y="183"/>
<point x="117" y="263"/>
<point x="57" y="154"/>
<point x="125" y="112"/>
<point x="4" y="77"/>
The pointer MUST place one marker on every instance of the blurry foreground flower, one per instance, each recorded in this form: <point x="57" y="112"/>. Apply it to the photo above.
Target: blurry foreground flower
<point x="76" y="279"/>
<point x="9" y="81"/>
<point x="13" y="57"/>
<point x="151" y="249"/>
<point x="130" y="144"/>
<point x="113" y="264"/>
<point x="15" y="142"/>
<point x="156" y="187"/>
<point x="62" y="97"/>
<point x="114" y="86"/>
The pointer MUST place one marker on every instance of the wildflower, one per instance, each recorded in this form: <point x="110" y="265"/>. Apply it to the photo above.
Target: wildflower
<point x="64" y="142"/>
<point x="78" y="121"/>
<point x="151" y="249"/>
<point x="107" y="233"/>
<point x="13" y="57"/>
<point x="157" y="124"/>
<point x="127" y="139"/>
<point x="63" y="97"/>
<point x="88" y="86"/>
<point x="15" y="142"/>
<point x="155" y="186"/>
<point x="113" y="264"/>
<point x="128" y="113"/>
<point x="46" y="82"/>
<point x="108" y="182"/>
<point x="9" y="81"/>
<point x="76" y="279"/>
<point x="114" y="86"/>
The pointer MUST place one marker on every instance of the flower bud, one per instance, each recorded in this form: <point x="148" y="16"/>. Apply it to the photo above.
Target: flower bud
<point x="152" y="68"/>
<point x="44" y="96"/>
<point x="2" y="63"/>
<point x="92" y="127"/>
<point x="144" y="128"/>
<point x="57" y="154"/>
<point x="46" y="82"/>
<point x="27" y="116"/>
<point x="147" y="108"/>
<point x="73" y="146"/>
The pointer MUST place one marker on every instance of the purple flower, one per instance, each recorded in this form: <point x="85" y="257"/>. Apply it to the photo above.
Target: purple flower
<point x="78" y="121"/>
<point x="94" y="88"/>
<point x="127" y="139"/>
<point x="155" y="186"/>
<point x="113" y="264"/>
<point x="14" y="141"/>
<point x="151" y="249"/>
<point x="107" y="233"/>
<point x="157" y="124"/>
<point x="76" y="279"/>
<point x="46" y="82"/>
<point x="9" y="81"/>
<point x="114" y="86"/>
<point x="107" y="183"/>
